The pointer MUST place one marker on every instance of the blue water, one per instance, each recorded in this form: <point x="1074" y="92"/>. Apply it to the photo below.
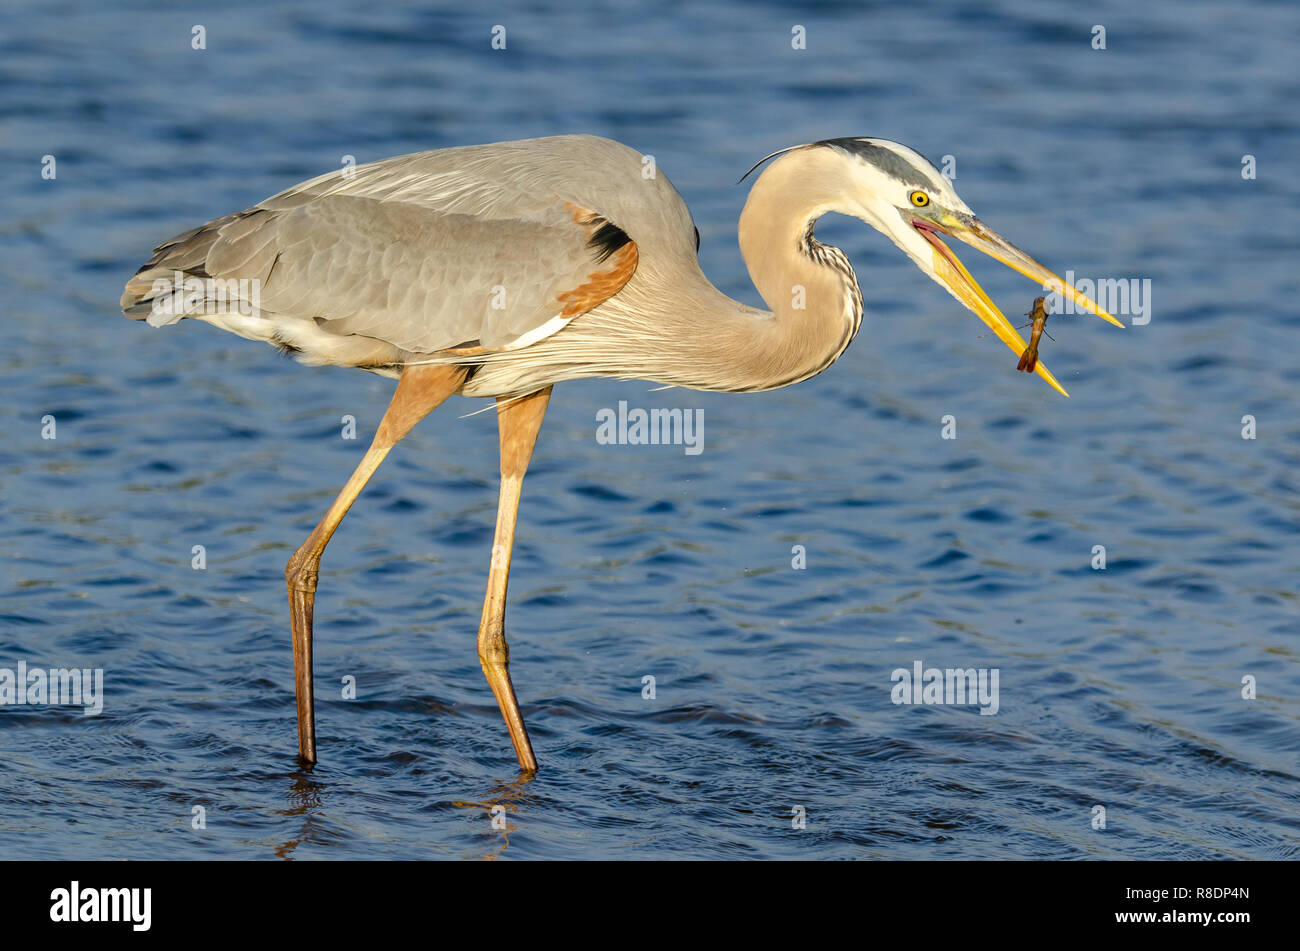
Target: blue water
<point x="1119" y="687"/>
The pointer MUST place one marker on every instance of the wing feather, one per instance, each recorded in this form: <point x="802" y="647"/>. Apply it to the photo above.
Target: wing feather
<point x="429" y="252"/>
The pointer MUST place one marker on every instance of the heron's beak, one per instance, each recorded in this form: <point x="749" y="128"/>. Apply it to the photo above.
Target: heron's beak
<point x="950" y="272"/>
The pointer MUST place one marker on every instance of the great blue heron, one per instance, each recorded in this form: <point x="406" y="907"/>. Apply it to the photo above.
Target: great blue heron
<point x="500" y="270"/>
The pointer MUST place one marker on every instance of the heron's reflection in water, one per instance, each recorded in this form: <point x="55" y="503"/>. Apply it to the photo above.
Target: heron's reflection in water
<point x="503" y="799"/>
<point x="305" y="796"/>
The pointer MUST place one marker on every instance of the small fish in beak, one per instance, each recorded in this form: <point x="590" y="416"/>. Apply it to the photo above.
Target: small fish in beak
<point x="1029" y="359"/>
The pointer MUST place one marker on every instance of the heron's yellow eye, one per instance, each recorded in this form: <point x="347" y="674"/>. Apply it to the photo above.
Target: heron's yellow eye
<point x="920" y="199"/>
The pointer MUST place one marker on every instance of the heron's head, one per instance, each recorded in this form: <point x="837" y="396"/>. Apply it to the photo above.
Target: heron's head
<point x="899" y="192"/>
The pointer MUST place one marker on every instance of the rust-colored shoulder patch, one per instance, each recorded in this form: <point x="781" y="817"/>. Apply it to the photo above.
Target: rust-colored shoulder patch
<point x="603" y="236"/>
<point x="601" y="285"/>
<point x="612" y="247"/>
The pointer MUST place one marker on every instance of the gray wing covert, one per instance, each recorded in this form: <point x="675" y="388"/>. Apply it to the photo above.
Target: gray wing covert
<point x="424" y="262"/>
<point x="419" y="279"/>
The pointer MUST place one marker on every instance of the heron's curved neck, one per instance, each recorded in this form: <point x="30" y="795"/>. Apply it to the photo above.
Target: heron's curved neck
<point x="671" y="325"/>
<point x="697" y="337"/>
<point x="810" y="287"/>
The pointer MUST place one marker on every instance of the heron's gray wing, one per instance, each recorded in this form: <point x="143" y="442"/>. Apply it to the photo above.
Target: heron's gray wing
<point x="423" y="258"/>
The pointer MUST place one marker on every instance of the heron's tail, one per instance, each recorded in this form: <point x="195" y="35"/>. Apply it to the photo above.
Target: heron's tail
<point x="156" y="292"/>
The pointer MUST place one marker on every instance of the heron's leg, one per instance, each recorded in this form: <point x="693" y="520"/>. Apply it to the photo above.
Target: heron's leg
<point x="518" y="421"/>
<point x="419" y="390"/>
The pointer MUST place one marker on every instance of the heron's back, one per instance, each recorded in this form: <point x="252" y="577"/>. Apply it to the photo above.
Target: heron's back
<point x="483" y="247"/>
